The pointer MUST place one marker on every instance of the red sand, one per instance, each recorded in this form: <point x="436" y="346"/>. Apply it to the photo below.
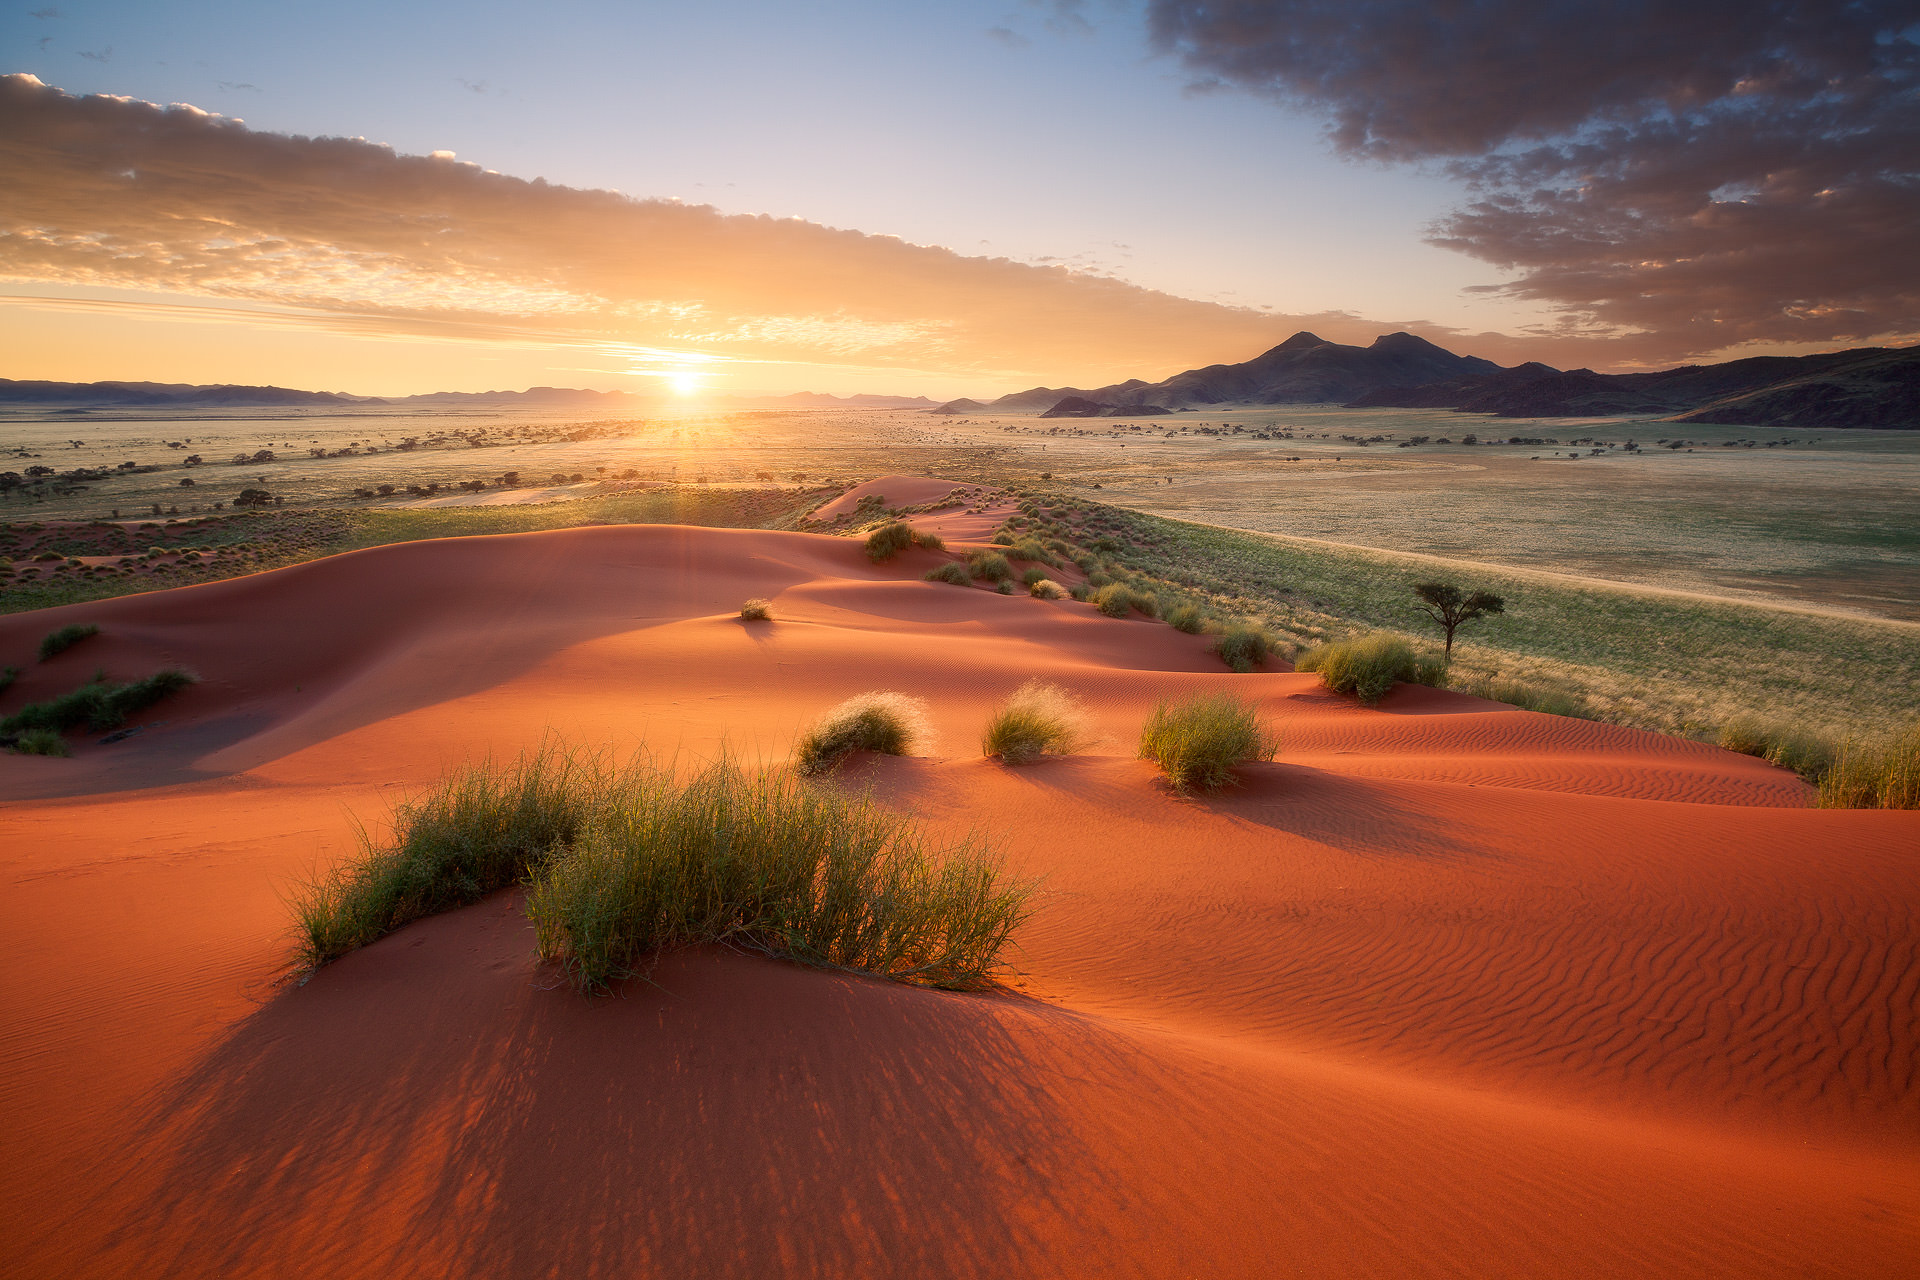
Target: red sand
<point x="1449" y="989"/>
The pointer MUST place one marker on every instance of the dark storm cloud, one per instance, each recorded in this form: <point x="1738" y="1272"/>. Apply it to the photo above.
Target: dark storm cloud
<point x="1704" y="173"/>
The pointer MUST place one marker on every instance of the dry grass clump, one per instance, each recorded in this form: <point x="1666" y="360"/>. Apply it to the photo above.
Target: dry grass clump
<point x="65" y="638"/>
<point x="1874" y="774"/>
<point x="1243" y="646"/>
<point x="1807" y="753"/>
<point x="1039" y="719"/>
<point x="757" y="610"/>
<point x="889" y="723"/>
<point x="896" y="536"/>
<point x="990" y="565"/>
<point x="1045" y="589"/>
<point x="1369" y="666"/>
<point x="99" y="704"/>
<point x="621" y="861"/>
<point x="1198" y="741"/>
<point x="1548" y="699"/>
<point x="952" y="571"/>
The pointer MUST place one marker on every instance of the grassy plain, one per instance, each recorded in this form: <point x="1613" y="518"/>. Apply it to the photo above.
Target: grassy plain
<point x="1742" y="572"/>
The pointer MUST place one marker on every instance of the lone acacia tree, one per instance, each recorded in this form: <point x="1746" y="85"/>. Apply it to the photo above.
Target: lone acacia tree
<point x="1449" y="606"/>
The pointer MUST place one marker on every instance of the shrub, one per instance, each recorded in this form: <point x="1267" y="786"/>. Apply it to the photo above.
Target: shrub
<point x="40" y="742"/>
<point x="7" y="676"/>
<point x="757" y="610"/>
<point x="1807" y="753"/>
<point x="1243" y="646"/>
<point x="890" y="723"/>
<point x="1079" y="591"/>
<point x="763" y="861"/>
<point x="1197" y="742"/>
<point x="952" y="571"/>
<point x="1004" y="587"/>
<point x="98" y="704"/>
<point x="1031" y="576"/>
<point x="1367" y="667"/>
<point x="990" y="565"/>
<point x="1046" y="589"/>
<point x="929" y="541"/>
<point x="1002" y="538"/>
<point x="65" y="638"/>
<point x="1030" y="549"/>
<point x="1874" y="775"/>
<point x="1038" y="719"/>
<point x="1188" y="617"/>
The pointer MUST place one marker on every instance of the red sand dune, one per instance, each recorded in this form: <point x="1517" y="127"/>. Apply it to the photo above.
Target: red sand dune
<point x="1448" y="989"/>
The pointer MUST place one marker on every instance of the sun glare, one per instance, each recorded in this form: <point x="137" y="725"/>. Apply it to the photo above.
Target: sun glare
<point x="684" y="384"/>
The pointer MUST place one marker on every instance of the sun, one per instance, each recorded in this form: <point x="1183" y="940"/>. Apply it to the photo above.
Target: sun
<point x="684" y="384"/>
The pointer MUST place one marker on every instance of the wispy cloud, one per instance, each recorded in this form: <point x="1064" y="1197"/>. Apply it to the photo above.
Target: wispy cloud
<point x="110" y="192"/>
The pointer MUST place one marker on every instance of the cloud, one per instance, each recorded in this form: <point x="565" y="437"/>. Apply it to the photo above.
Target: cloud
<point x="1696" y="174"/>
<point x="107" y="192"/>
<point x="1009" y="37"/>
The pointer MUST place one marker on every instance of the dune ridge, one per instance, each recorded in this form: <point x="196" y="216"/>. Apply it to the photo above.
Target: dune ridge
<point x="1448" y="988"/>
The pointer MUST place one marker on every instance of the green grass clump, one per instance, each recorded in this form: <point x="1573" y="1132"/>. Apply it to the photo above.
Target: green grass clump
<point x="1117" y="600"/>
<point x="1804" y="751"/>
<point x="99" y="704"/>
<point x="990" y="565"/>
<point x="1188" y="617"/>
<point x="1039" y="719"/>
<point x="1369" y="666"/>
<point x="757" y="610"/>
<point x="889" y="723"/>
<point x="1197" y="742"/>
<point x="1046" y="589"/>
<point x="1031" y="549"/>
<point x="40" y="742"/>
<point x="889" y="540"/>
<point x="478" y="830"/>
<point x="65" y="638"/>
<point x="1243" y="647"/>
<point x="621" y="861"/>
<point x="952" y="571"/>
<point x="1032" y="576"/>
<point x="7" y="676"/>
<point x="764" y="861"/>
<point x="1869" y="774"/>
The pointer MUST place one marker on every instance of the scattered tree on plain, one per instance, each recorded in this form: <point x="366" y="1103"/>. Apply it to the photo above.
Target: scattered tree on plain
<point x="1449" y="606"/>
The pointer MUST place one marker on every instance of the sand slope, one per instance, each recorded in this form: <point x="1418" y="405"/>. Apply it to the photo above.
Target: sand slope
<point x="1447" y="989"/>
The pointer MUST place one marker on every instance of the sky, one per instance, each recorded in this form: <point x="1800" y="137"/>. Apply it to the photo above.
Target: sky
<point x="939" y="199"/>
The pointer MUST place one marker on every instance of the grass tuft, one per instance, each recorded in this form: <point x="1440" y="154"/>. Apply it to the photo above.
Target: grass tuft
<point x="1369" y="666"/>
<point x="1198" y="741"/>
<point x="890" y="723"/>
<point x="65" y="638"/>
<point x="1046" y="589"/>
<point x="757" y="610"/>
<point x="1807" y="753"/>
<point x="952" y="571"/>
<point x="1188" y="617"/>
<point x="40" y="742"/>
<point x="989" y="565"/>
<point x="889" y="540"/>
<point x="1870" y="774"/>
<point x="7" y="676"/>
<point x="99" y="704"/>
<point x="1037" y="720"/>
<point x="1548" y="699"/>
<point x="622" y="861"/>
<point x="1117" y="600"/>
<point x="1243" y="647"/>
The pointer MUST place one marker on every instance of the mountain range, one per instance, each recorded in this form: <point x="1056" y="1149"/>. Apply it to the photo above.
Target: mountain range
<point x="184" y="395"/>
<point x="1865" y="387"/>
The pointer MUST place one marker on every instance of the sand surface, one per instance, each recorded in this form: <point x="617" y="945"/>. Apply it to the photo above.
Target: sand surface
<point x="1449" y="989"/>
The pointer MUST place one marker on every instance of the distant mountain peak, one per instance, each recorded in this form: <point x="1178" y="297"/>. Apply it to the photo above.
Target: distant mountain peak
<point x="1300" y="342"/>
